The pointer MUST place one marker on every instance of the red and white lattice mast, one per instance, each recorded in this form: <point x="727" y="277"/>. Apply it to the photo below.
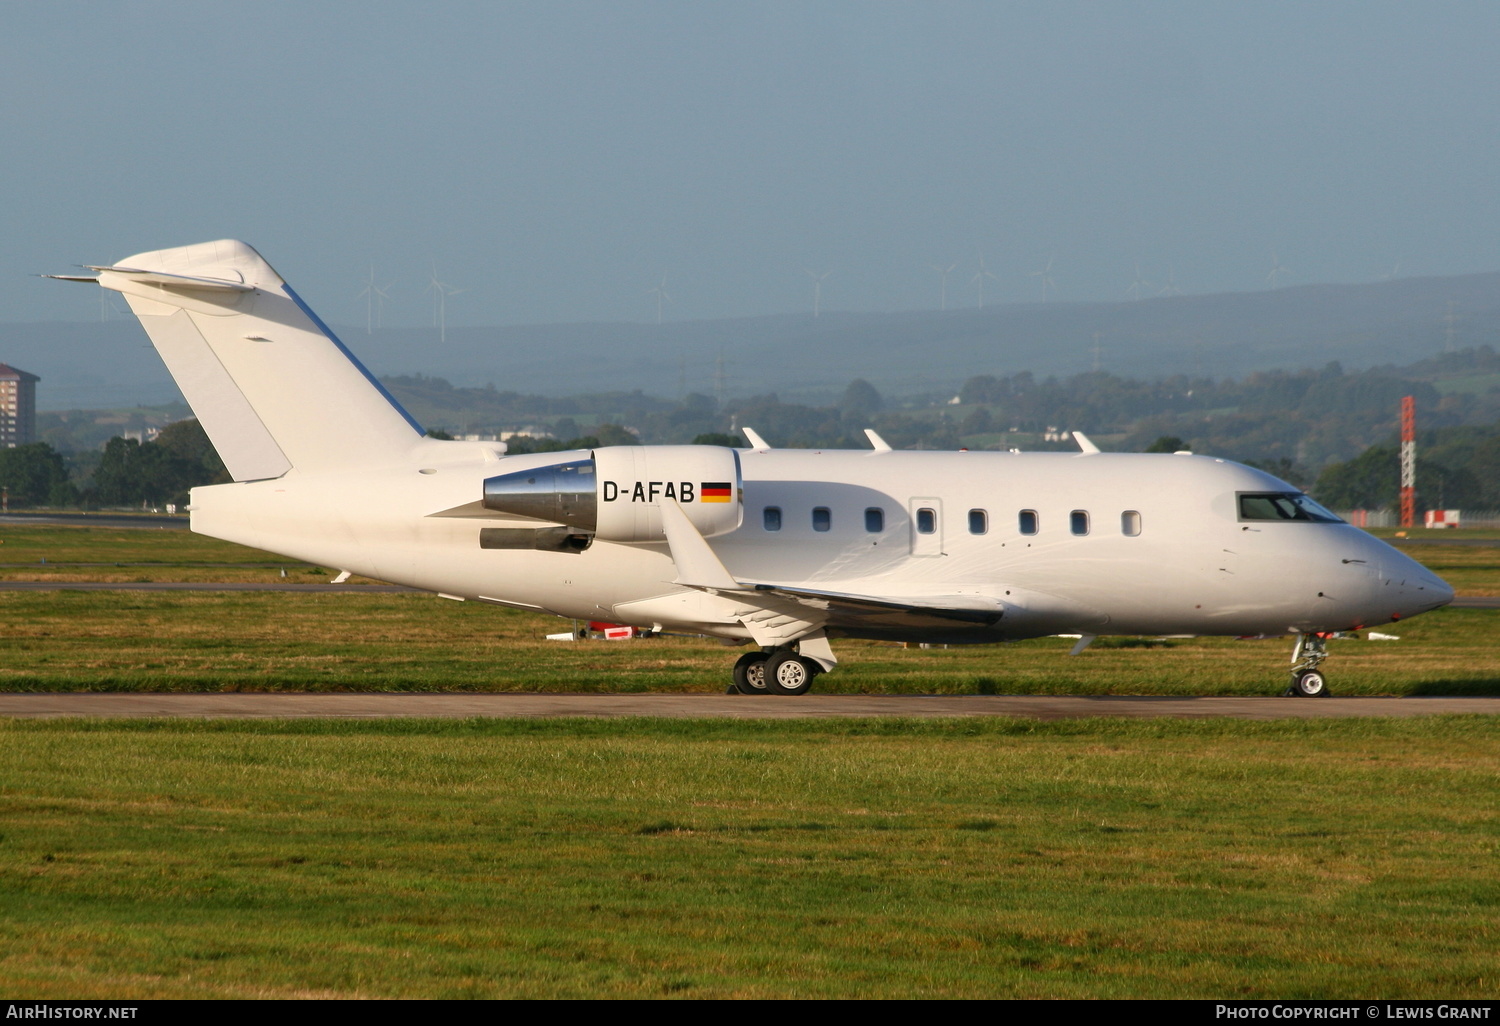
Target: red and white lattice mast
<point x="1408" y="461"/>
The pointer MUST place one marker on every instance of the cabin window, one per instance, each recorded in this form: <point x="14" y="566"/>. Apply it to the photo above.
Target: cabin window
<point x="1028" y="521"/>
<point x="979" y="521"/>
<point x="874" y="520"/>
<point x="926" y="521"/>
<point x="771" y="518"/>
<point x="822" y="518"/>
<point x="1078" y="521"/>
<point x="1130" y="523"/>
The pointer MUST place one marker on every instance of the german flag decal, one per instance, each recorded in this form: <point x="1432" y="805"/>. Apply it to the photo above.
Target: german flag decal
<point x="715" y="491"/>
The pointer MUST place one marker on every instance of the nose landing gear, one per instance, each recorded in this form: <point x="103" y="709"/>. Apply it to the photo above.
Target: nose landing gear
<point x="1307" y="681"/>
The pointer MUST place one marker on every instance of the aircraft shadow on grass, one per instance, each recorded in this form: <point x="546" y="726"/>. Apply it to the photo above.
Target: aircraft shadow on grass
<point x="1487" y="686"/>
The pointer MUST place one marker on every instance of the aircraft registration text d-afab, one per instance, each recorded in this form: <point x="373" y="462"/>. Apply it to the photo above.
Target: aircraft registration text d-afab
<point x="778" y="549"/>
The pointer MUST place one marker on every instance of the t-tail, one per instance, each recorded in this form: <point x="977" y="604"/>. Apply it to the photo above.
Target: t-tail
<point x="272" y="386"/>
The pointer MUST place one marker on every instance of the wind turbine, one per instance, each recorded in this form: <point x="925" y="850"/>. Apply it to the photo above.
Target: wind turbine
<point x="817" y="288"/>
<point x="1045" y="277"/>
<point x="374" y="297"/>
<point x="1170" y="287"/>
<point x="1450" y="326"/>
<point x="661" y="295"/>
<point x="984" y="273"/>
<point x="945" y="271"/>
<point x="440" y="290"/>
<point x="1140" y="283"/>
<point x="1276" y="269"/>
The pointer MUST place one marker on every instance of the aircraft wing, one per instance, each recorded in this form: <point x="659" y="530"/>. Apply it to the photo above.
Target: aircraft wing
<point x="698" y="566"/>
<point x="848" y="611"/>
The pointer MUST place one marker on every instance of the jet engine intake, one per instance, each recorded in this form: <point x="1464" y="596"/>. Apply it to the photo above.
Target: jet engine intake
<point x="617" y="494"/>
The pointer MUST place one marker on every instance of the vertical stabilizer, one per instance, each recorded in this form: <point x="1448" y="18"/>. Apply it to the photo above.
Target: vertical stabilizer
<point x="271" y="385"/>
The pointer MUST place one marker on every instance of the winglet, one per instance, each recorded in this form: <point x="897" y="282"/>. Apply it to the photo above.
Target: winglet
<point x="756" y="442"/>
<point x="880" y="444"/>
<point x="1084" y="445"/>
<point x="697" y="565"/>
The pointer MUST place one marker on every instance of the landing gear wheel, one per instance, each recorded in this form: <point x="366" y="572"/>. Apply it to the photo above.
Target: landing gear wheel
<point x="787" y="673"/>
<point x="1308" y="684"/>
<point x="1307" y="656"/>
<point x="750" y="674"/>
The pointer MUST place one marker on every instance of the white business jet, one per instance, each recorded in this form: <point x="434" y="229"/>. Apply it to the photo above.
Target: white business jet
<point x="780" y="549"/>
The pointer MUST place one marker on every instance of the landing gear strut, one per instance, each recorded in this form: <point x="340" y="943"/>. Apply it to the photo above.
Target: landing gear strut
<point x="1307" y="681"/>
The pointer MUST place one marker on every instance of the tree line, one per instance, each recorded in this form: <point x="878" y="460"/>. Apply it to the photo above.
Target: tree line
<point x="128" y="473"/>
<point x="1328" y="430"/>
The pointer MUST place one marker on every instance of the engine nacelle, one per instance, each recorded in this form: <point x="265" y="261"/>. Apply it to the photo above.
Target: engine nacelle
<point x="618" y="493"/>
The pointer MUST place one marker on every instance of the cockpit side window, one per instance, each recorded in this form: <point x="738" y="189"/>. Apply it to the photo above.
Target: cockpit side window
<point x="1283" y="506"/>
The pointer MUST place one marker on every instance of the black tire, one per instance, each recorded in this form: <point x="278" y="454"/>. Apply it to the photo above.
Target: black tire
<point x="1308" y="684"/>
<point x="750" y="674"/>
<point x="787" y="673"/>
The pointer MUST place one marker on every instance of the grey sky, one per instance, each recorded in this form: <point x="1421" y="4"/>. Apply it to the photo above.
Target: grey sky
<point x="555" y="159"/>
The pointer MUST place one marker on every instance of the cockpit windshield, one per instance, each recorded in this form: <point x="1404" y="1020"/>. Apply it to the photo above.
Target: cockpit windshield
<point x="1283" y="506"/>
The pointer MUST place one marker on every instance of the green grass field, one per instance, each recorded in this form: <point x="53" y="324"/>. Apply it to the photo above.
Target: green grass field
<point x="237" y="641"/>
<point x="993" y="858"/>
<point x="142" y="641"/>
<point x="641" y="858"/>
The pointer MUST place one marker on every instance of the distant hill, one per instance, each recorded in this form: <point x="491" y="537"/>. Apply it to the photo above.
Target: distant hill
<point x="92" y="365"/>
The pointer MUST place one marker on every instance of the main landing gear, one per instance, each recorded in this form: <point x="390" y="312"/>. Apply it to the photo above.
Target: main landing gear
<point x="775" y="671"/>
<point x="1307" y="680"/>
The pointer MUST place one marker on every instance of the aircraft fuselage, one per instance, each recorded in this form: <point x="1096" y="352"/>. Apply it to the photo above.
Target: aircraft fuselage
<point x="1096" y="543"/>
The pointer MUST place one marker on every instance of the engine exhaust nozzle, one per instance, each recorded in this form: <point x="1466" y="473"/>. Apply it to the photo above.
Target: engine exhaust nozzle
<point x="561" y="494"/>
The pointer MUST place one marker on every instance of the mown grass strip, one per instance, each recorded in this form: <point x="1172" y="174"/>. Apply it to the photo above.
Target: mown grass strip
<point x="176" y="641"/>
<point x="738" y="859"/>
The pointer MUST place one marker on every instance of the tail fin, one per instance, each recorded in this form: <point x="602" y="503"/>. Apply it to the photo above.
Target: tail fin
<point x="271" y="385"/>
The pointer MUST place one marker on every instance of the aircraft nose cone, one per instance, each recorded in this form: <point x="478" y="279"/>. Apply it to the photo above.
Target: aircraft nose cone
<point x="1422" y="590"/>
<point x="1439" y="590"/>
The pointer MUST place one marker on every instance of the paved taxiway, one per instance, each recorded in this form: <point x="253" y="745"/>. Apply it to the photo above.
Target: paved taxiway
<point x="241" y="705"/>
<point x="135" y="520"/>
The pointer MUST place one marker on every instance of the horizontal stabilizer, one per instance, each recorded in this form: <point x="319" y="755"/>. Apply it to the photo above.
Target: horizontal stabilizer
<point x="178" y="281"/>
